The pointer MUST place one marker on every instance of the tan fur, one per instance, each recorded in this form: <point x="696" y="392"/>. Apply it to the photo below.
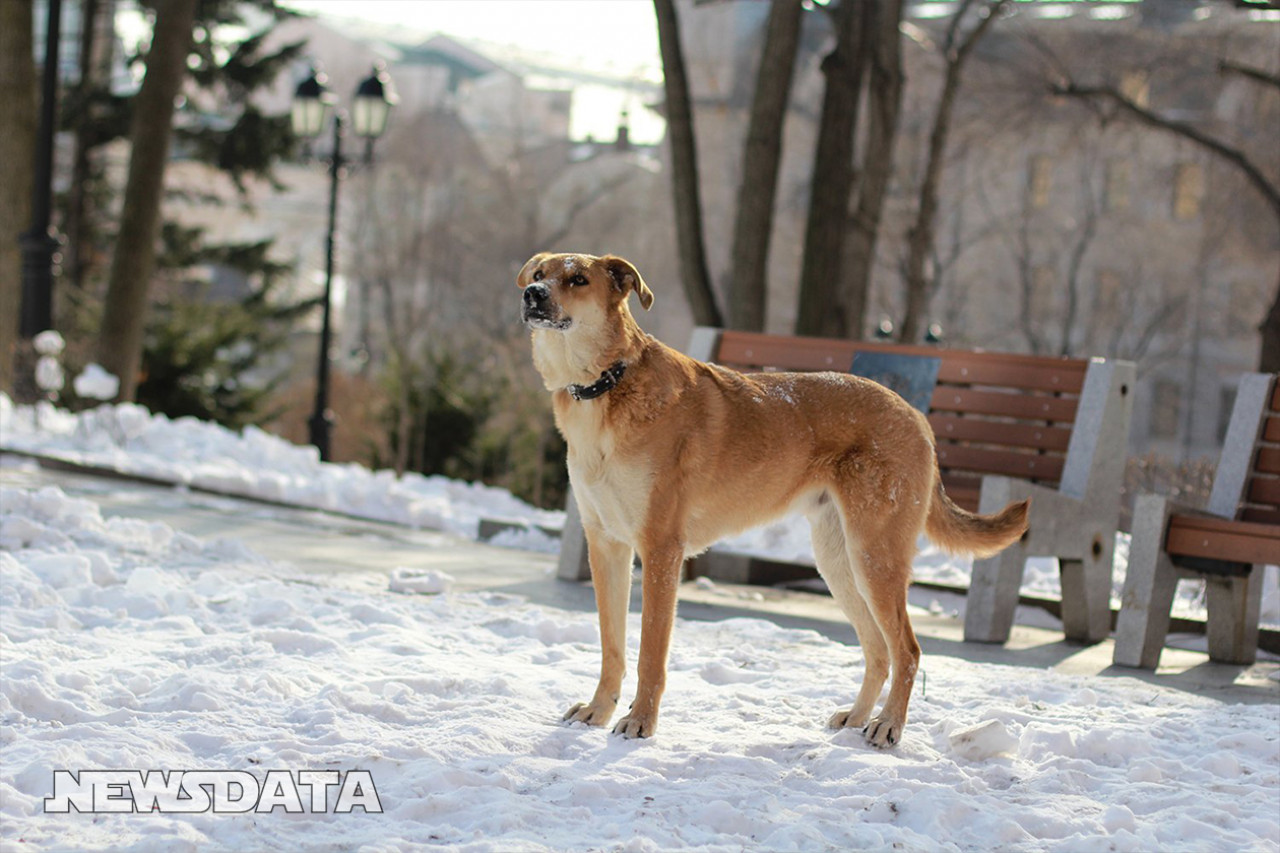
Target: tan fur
<point x="682" y="453"/>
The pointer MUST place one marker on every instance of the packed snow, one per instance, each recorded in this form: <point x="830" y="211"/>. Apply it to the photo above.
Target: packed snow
<point x="129" y="645"/>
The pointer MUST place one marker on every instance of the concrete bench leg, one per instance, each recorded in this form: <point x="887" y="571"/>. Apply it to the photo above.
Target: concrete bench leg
<point x="573" y="565"/>
<point x="1149" y="585"/>
<point x="1234" y="606"/>
<point x="993" y="596"/>
<point x="1086" y="592"/>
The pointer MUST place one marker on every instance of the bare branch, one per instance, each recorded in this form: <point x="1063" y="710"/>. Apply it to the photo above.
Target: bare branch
<point x="1258" y="75"/>
<point x="1187" y="131"/>
<point x="953" y="28"/>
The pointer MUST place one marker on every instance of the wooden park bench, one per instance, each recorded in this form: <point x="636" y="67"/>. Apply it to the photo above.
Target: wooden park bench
<point x="1227" y="544"/>
<point x="1007" y="426"/>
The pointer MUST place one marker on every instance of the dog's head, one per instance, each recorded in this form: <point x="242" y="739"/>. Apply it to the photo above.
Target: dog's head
<point x="564" y="291"/>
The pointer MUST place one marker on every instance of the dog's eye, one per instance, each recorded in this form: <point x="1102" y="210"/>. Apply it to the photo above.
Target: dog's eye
<point x="537" y="275"/>
<point x="578" y="280"/>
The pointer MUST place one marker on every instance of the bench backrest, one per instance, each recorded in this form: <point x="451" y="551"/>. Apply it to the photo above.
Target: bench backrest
<point x="1246" y="486"/>
<point x="991" y="413"/>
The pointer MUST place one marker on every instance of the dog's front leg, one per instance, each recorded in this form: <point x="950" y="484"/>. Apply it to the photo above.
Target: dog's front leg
<point x="611" y="577"/>
<point x="661" y="588"/>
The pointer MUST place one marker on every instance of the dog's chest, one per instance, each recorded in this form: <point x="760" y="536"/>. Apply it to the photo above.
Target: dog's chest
<point x="612" y="488"/>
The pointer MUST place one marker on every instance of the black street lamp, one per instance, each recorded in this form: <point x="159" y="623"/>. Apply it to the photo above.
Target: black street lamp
<point x="39" y="245"/>
<point x="312" y="104"/>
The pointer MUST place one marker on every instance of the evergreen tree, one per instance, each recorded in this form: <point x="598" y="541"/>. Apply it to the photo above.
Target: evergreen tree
<point x="247" y="145"/>
<point x="210" y="359"/>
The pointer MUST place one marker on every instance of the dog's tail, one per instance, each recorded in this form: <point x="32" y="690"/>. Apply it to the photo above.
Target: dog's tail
<point x="959" y="531"/>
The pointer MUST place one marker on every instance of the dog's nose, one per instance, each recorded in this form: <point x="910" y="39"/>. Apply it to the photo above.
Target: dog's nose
<point x="535" y="294"/>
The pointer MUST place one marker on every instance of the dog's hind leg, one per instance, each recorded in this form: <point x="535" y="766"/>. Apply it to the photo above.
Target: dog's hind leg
<point x="833" y="556"/>
<point x="611" y="577"/>
<point x="884" y="575"/>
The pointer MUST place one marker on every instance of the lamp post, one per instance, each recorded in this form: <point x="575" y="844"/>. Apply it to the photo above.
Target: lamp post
<point x="38" y="245"/>
<point x="312" y="104"/>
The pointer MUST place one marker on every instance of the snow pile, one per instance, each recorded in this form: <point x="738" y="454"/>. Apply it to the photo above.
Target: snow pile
<point x="132" y="646"/>
<point x="426" y="581"/>
<point x="129" y="439"/>
<point x="95" y="383"/>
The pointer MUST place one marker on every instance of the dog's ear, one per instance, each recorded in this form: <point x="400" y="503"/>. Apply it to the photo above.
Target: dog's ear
<point x="626" y="278"/>
<point x="526" y="272"/>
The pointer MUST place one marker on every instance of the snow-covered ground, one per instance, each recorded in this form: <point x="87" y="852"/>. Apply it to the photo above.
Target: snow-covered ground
<point x="256" y="464"/>
<point x="129" y="645"/>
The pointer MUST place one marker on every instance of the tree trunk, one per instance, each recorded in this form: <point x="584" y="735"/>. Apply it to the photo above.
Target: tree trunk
<point x="832" y="182"/>
<point x="124" y="313"/>
<point x="1269" y="355"/>
<point x="883" y="45"/>
<point x="920" y="236"/>
<point x="74" y="229"/>
<point x="17" y="149"/>
<point x="684" y="171"/>
<point x="748" y="289"/>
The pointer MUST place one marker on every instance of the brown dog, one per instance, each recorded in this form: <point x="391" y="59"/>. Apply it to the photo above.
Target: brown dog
<point x="668" y="455"/>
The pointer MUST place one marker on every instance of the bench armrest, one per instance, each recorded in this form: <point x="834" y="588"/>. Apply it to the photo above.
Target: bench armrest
<point x="1094" y="467"/>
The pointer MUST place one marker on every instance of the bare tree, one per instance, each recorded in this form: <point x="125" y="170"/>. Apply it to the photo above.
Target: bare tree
<point x="125" y="309"/>
<point x="684" y="170"/>
<point x="17" y="144"/>
<point x="883" y="49"/>
<point x="753" y="224"/>
<point x="833" y="160"/>
<point x="74" y="226"/>
<point x="1242" y="161"/>
<point x="920" y="237"/>
<point x="839" y="245"/>
<point x="1050" y="267"/>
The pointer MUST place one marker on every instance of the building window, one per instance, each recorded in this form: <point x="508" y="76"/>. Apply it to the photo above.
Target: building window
<point x="1039" y="180"/>
<point x="1116" y="191"/>
<point x="1166" y="406"/>
<point x="1188" y="187"/>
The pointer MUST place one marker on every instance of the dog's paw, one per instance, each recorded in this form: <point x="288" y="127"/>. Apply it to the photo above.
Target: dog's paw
<point x="635" y="725"/>
<point x="883" y="732"/>
<point x="850" y="719"/>
<point x="591" y="713"/>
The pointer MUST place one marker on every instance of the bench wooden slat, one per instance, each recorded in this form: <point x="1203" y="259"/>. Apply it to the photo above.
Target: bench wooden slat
<point x="977" y="368"/>
<point x="1264" y="490"/>
<point x="1030" y="407"/>
<point x="1030" y="466"/>
<point x="982" y="431"/>
<point x="1275" y="398"/>
<point x="963" y="367"/>
<point x="1223" y="539"/>
<point x="1268" y="460"/>
<point x="788" y="354"/>
<point x="1271" y="430"/>
<point x="1260" y="514"/>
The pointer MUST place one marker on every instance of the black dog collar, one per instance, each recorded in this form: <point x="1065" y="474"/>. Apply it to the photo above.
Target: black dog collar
<point x="601" y="386"/>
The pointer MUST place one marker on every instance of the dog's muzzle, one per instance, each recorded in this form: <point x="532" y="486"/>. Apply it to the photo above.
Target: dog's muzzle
<point x="537" y="310"/>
